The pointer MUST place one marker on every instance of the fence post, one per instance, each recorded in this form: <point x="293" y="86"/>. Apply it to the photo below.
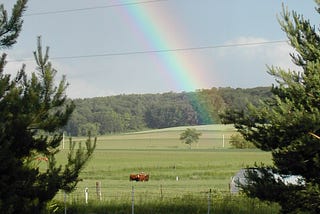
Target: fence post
<point x="132" y="200"/>
<point x="65" y="201"/>
<point x="98" y="190"/>
<point x="209" y="201"/>
<point x="86" y="194"/>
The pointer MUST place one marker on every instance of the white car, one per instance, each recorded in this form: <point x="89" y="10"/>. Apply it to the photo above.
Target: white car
<point x="240" y="178"/>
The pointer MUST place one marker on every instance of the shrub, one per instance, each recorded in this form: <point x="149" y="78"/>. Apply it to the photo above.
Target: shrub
<point x="237" y="141"/>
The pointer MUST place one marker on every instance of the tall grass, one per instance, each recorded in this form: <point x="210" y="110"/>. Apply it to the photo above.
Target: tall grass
<point x="183" y="204"/>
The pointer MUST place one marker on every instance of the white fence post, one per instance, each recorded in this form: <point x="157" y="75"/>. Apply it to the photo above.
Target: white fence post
<point x="223" y="141"/>
<point x="86" y="194"/>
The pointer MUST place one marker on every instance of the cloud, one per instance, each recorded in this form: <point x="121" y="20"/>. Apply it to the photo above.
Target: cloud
<point x="246" y="65"/>
<point x="13" y="66"/>
<point x="82" y="84"/>
<point x="80" y="88"/>
<point x="276" y="54"/>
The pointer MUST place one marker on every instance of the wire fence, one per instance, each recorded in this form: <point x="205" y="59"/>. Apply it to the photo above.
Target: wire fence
<point x="135" y="196"/>
<point x="93" y="193"/>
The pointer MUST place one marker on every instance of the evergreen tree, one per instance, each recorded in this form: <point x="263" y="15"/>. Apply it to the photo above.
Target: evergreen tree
<point x="288" y="125"/>
<point x="32" y="112"/>
<point x="11" y="27"/>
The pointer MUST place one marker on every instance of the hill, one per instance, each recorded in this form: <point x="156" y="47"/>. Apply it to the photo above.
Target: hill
<point x="137" y="112"/>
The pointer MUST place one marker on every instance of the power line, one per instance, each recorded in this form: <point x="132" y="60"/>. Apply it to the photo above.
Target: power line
<point x="92" y="8"/>
<point x="135" y="52"/>
<point x="159" y="51"/>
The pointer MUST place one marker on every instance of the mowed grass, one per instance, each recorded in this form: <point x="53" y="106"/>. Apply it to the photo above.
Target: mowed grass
<point x="174" y="168"/>
<point x="213" y="136"/>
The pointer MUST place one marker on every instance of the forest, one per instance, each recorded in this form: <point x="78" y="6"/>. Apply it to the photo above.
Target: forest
<point x="135" y="112"/>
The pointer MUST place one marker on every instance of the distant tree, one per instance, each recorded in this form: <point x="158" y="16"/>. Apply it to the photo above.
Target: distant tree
<point x="32" y="113"/>
<point x="170" y="113"/>
<point x="125" y="113"/>
<point x="86" y="128"/>
<point x="238" y="98"/>
<point x="207" y="104"/>
<point x="288" y="125"/>
<point x="190" y="136"/>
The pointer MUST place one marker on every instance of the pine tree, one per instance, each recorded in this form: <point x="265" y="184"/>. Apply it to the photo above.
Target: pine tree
<point x="32" y="113"/>
<point x="288" y="125"/>
<point x="10" y="28"/>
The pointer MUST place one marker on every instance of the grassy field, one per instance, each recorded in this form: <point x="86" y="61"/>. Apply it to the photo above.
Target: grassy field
<point x="211" y="138"/>
<point x="181" y="178"/>
<point x="174" y="169"/>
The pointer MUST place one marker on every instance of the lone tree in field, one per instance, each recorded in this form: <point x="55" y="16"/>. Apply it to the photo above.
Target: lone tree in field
<point x="288" y="125"/>
<point x="190" y="136"/>
<point x="32" y="112"/>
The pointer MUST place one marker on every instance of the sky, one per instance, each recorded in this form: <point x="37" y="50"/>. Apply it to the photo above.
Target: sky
<point x="111" y="47"/>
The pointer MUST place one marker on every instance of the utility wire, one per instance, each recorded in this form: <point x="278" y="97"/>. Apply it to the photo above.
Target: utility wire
<point x="91" y="8"/>
<point x="135" y="52"/>
<point x="159" y="51"/>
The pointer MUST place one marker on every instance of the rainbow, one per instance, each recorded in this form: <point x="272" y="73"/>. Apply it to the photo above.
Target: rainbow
<point x="156" y="28"/>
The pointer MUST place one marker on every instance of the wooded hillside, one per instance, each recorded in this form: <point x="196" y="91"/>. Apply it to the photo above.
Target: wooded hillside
<point x="134" y="112"/>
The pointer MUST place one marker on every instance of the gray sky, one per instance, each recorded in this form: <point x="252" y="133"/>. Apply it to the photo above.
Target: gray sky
<point x="108" y="47"/>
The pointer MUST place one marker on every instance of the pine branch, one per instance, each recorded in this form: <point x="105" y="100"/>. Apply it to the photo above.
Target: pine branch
<point x="11" y="28"/>
<point x="76" y="161"/>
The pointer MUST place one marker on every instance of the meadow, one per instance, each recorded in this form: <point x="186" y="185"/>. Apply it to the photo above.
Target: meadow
<point x="175" y="170"/>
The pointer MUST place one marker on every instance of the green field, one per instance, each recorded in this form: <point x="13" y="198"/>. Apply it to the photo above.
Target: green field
<point x="174" y="169"/>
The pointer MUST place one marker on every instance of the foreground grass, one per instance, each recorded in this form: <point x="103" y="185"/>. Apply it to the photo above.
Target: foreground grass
<point x="186" y="204"/>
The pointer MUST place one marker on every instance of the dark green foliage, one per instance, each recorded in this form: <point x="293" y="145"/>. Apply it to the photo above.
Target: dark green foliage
<point x="289" y="123"/>
<point x="238" y="98"/>
<point x="11" y="27"/>
<point x="267" y="187"/>
<point x="125" y="113"/>
<point x="32" y="113"/>
<point x="169" y="111"/>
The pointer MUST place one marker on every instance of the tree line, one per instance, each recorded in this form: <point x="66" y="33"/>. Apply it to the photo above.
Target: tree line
<point x="134" y="112"/>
